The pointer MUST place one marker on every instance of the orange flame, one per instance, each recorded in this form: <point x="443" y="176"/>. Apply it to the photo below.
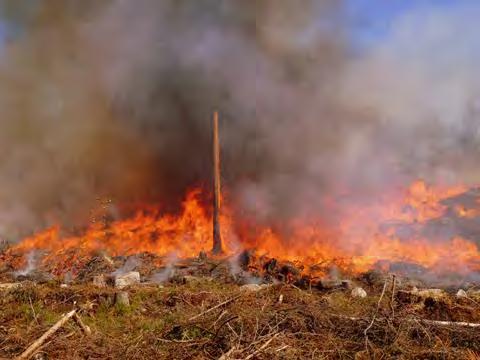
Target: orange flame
<point x="363" y="236"/>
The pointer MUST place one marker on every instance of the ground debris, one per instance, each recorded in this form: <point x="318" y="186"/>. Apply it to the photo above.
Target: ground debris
<point x="128" y="279"/>
<point x="99" y="280"/>
<point x="415" y="295"/>
<point x="231" y="308"/>
<point x="253" y="287"/>
<point x="328" y="284"/>
<point x="10" y="286"/>
<point x="122" y="298"/>
<point x="191" y="320"/>
<point x="358" y="292"/>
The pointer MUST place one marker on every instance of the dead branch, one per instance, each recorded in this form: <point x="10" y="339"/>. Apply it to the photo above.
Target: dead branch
<point x="10" y="286"/>
<point x="215" y="307"/>
<point x="86" y="329"/>
<point x="450" y="323"/>
<point x="39" y="342"/>
<point x="414" y="320"/>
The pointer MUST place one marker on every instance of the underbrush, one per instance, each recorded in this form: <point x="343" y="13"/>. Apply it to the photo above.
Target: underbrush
<point x="279" y="322"/>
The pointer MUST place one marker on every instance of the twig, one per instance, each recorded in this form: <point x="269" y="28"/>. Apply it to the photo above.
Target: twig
<point x="365" y="332"/>
<point x="263" y="347"/>
<point x="222" y="314"/>
<point x="231" y="329"/>
<point x="33" y="310"/>
<point x="392" y="299"/>
<point x="190" y="341"/>
<point x="226" y="356"/>
<point x="215" y="307"/>
<point x="222" y="325"/>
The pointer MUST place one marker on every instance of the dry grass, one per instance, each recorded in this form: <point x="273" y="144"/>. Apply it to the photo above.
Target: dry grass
<point x="305" y="325"/>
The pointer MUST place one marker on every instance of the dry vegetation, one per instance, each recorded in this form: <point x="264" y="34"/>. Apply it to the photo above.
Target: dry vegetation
<point x="277" y="322"/>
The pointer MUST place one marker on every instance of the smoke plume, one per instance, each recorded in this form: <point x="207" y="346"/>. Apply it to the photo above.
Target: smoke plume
<point x="114" y="99"/>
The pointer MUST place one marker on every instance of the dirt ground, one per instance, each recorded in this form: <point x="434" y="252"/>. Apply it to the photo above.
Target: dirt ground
<point x="208" y="319"/>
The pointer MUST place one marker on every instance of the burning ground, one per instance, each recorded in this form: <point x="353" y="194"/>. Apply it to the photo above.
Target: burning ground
<point x="105" y="166"/>
<point x="424" y="232"/>
<point x="147" y="286"/>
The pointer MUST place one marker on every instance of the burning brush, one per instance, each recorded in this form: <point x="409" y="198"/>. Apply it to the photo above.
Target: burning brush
<point x="427" y="233"/>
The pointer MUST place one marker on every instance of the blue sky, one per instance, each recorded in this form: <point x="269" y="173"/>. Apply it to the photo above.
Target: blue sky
<point x="373" y="18"/>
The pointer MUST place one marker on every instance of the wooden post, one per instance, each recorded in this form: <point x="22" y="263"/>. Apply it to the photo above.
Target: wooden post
<point x="217" y="237"/>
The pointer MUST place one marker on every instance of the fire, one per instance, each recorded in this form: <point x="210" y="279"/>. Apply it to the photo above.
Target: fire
<point x="364" y="236"/>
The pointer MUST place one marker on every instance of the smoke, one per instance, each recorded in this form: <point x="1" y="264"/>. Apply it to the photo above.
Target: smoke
<point x="32" y="260"/>
<point x="130" y="264"/>
<point x="167" y="272"/>
<point x="114" y="99"/>
<point x="421" y="85"/>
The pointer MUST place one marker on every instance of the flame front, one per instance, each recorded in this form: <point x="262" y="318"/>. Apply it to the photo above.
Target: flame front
<point x="362" y="237"/>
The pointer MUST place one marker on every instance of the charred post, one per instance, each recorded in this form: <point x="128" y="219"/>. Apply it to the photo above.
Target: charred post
<point x="217" y="237"/>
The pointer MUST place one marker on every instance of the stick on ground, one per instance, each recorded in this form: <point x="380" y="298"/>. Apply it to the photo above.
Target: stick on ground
<point x="86" y="330"/>
<point x="41" y="340"/>
<point x="215" y="307"/>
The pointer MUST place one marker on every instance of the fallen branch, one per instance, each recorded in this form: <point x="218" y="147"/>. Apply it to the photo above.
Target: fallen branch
<point x="39" y="342"/>
<point x="215" y="307"/>
<point x="86" y="329"/>
<point x="60" y="323"/>
<point x="449" y="323"/>
<point x="413" y="320"/>
<point x="9" y="286"/>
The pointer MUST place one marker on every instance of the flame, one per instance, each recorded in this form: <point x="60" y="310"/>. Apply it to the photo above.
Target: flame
<point x="364" y="236"/>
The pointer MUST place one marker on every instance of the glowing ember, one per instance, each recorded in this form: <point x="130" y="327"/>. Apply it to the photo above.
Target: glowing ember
<point x="363" y="237"/>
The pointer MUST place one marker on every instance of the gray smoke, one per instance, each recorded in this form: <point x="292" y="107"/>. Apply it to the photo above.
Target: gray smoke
<point x="114" y="99"/>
